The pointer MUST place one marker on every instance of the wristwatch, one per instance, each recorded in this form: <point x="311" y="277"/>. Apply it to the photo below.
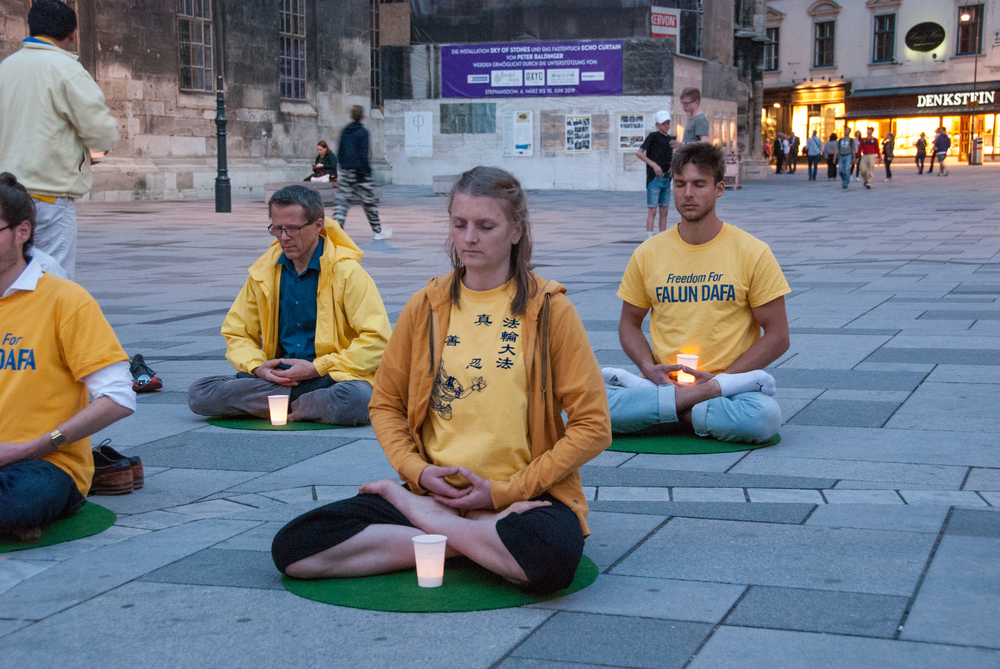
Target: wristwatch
<point x="57" y="438"/>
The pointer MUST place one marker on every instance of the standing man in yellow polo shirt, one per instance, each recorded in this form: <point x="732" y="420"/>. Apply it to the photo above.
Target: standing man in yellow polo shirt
<point x="52" y="116"/>
<point x="716" y="292"/>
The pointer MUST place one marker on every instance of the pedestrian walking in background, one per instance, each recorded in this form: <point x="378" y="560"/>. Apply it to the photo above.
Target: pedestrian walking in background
<point x="356" y="175"/>
<point x="857" y="156"/>
<point x="830" y="152"/>
<point x="846" y="149"/>
<point x="657" y="153"/>
<point x="696" y="129"/>
<point x="888" y="146"/>
<point x="793" y="146"/>
<point x="814" y="151"/>
<point x="786" y="148"/>
<point x="779" y="153"/>
<point x="52" y="119"/>
<point x="941" y="145"/>
<point x="868" y="149"/>
<point x="921" y="145"/>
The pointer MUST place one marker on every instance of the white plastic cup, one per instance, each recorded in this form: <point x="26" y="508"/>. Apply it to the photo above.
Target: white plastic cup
<point x="278" y="405"/>
<point x="687" y="360"/>
<point x="428" y="549"/>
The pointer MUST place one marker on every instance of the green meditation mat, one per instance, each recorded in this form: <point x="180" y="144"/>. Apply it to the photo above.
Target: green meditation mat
<point x="91" y="519"/>
<point x="467" y="587"/>
<point x="264" y="424"/>
<point x="678" y="443"/>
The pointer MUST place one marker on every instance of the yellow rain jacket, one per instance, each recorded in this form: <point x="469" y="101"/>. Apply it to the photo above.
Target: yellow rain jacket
<point x="352" y="327"/>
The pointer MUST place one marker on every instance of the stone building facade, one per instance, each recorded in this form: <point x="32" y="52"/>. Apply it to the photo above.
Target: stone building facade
<point x="291" y="71"/>
<point x="900" y="66"/>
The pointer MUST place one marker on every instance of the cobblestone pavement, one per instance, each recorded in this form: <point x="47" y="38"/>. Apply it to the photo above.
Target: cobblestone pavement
<point x="868" y="537"/>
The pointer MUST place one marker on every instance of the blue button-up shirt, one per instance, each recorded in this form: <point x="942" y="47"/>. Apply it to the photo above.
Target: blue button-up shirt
<point x="297" y="308"/>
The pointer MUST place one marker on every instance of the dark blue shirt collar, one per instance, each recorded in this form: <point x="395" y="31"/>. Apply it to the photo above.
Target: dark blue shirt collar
<point x="313" y="262"/>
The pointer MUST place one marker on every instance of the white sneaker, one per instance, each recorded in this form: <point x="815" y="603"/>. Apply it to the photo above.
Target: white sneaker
<point x="857" y="178"/>
<point x="385" y="233"/>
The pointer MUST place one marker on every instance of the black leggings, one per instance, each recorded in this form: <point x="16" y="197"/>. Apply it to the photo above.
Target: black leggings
<point x="547" y="541"/>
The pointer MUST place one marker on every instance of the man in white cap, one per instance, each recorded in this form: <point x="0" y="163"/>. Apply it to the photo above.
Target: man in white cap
<point x="657" y="153"/>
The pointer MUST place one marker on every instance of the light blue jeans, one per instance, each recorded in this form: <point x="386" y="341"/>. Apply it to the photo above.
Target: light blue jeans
<point x="845" y="170"/>
<point x="747" y="418"/>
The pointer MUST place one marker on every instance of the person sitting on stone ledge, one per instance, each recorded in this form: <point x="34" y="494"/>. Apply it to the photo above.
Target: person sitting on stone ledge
<point x="56" y="349"/>
<point x="468" y="408"/>
<point x="712" y="288"/>
<point x="309" y="323"/>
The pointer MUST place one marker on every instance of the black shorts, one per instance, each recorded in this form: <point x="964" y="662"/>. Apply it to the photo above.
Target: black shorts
<point x="547" y="541"/>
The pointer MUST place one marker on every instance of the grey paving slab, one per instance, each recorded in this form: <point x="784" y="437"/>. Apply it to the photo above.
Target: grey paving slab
<point x="614" y="641"/>
<point x="235" y="450"/>
<point x="198" y="626"/>
<point x="256" y="539"/>
<point x="9" y="626"/>
<point x="69" y="549"/>
<point x="161" y="397"/>
<point x="103" y="569"/>
<point x="923" y="518"/>
<point x="651" y="598"/>
<point x="983" y="479"/>
<point x="845" y="379"/>
<point x="848" y="484"/>
<point x="175" y="487"/>
<point x="962" y="374"/>
<point x="356" y="463"/>
<point x="845" y="413"/>
<point x="960" y="596"/>
<point x="940" y="356"/>
<point x="623" y="476"/>
<point x="944" y="406"/>
<point x="821" y="558"/>
<point x="963" y="315"/>
<point x="886" y="445"/>
<point x="711" y="462"/>
<point x="946" y="497"/>
<point x="973" y="523"/>
<point x="148" y="423"/>
<point x="16" y="570"/>
<point x="153" y="520"/>
<point x="614" y="534"/>
<point x="792" y="514"/>
<point x="528" y="663"/>
<point x="233" y="568"/>
<point x="862" y="497"/>
<point x="870" y="471"/>
<point x="745" y="647"/>
<point x="852" y="613"/>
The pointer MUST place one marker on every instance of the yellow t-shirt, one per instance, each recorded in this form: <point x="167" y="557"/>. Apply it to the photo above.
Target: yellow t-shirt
<point x="702" y="295"/>
<point x="50" y="338"/>
<point x="479" y="405"/>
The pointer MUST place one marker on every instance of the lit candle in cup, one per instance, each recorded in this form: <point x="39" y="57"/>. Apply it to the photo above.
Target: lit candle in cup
<point x="428" y="549"/>
<point x="687" y="360"/>
<point x="278" y="404"/>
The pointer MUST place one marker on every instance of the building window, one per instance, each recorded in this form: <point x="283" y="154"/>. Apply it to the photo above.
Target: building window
<point x="194" y="36"/>
<point x="376" y="61"/>
<point x="292" y="51"/>
<point x="823" y="52"/>
<point x="771" y="49"/>
<point x="970" y="33"/>
<point x="885" y="39"/>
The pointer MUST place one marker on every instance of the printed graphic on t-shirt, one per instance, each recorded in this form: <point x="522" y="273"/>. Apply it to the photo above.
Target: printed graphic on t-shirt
<point x="14" y="354"/>
<point x="447" y="389"/>
<point x="696" y="288"/>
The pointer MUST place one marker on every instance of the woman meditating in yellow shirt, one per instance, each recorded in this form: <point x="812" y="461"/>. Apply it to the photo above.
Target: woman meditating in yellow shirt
<point x="468" y="406"/>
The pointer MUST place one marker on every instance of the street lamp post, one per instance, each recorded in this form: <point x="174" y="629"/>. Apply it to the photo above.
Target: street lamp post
<point x="967" y="18"/>
<point x="223" y="191"/>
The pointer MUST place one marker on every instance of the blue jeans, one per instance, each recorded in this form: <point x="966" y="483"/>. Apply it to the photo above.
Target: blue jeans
<point x="34" y="494"/>
<point x="747" y="418"/>
<point x="845" y="170"/>
<point x="813" y="166"/>
<point x="658" y="192"/>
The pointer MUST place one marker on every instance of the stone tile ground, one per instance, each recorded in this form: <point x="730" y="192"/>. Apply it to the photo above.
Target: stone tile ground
<point x="867" y="537"/>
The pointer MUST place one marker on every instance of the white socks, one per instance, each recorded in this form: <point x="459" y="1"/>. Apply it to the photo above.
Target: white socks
<point x="748" y="382"/>
<point x="649" y="234"/>
<point x="619" y="377"/>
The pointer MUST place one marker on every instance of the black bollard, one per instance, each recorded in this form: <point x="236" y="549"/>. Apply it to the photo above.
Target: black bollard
<point x="223" y="190"/>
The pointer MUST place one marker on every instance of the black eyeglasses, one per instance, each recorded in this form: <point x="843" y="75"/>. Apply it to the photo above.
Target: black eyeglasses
<point x="7" y="227"/>
<point x="290" y="230"/>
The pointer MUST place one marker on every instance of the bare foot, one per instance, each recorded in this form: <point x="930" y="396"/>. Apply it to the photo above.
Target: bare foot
<point x="521" y="507"/>
<point x="418" y="509"/>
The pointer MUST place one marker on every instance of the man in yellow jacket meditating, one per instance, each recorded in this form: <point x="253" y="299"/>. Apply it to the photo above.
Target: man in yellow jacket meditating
<point x="309" y="323"/>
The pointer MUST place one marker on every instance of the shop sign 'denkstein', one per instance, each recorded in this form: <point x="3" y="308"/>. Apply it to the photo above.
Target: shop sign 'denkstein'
<point x="956" y="99"/>
<point x="925" y="36"/>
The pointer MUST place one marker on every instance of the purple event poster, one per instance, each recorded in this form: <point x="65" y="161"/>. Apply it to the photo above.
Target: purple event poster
<point x="531" y="69"/>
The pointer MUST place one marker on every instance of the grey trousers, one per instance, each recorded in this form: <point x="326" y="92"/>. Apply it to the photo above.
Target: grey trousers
<point x="343" y="403"/>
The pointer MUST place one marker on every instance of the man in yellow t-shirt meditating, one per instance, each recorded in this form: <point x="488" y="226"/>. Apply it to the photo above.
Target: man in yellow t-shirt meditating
<point x="56" y="349"/>
<point x="713" y="288"/>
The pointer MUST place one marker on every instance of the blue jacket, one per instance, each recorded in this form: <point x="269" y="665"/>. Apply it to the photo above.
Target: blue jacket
<point x="353" y="149"/>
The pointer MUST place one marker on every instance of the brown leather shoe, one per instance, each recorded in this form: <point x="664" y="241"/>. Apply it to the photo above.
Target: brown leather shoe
<point x="134" y="461"/>
<point x="111" y="477"/>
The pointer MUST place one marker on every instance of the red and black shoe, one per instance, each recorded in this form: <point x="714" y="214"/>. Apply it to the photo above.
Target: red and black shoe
<point x="144" y="379"/>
